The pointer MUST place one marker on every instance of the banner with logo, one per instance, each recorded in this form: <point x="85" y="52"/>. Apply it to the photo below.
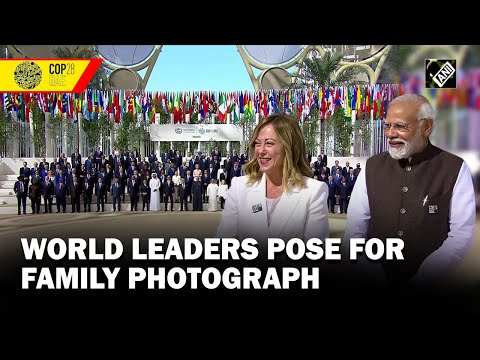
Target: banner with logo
<point x="46" y="75"/>
<point x="196" y="132"/>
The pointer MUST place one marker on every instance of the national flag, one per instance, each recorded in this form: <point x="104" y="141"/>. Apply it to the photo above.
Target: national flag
<point x="240" y="102"/>
<point x="222" y="108"/>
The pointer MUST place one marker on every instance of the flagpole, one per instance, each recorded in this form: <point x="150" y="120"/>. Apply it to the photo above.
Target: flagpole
<point x="228" y="123"/>
<point x="372" y="134"/>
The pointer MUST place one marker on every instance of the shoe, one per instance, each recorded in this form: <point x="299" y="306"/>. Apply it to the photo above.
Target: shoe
<point x="57" y="212"/>
<point x="19" y="213"/>
<point x="98" y="210"/>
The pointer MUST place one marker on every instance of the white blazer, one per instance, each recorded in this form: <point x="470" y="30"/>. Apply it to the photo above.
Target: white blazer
<point x="301" y="213"/>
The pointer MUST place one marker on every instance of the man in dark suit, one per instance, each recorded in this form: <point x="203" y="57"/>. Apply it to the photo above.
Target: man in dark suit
<point x="42" y="164"/>
<point x="88" y="163"/>
<point x="133" y="189"/>
<point x="116" y="192"/>
<point x="97" y="157"/>
<point x="337" y="177"/>
<point x="346" y="169"/>
<point x="205" y="182"/>
<point x="213" y="172"/>
<point x="357" y="170"/>
<point x="35" y="194"/>
<point x="48" y="191"/>
<point x="135" y="155"/>
<point x="236" y="171"/>
<point x="188" y="182"/>
<point x="308" y="156"/>
<point x="76" y="159"/>
<point x="351" y="178"/>
<point x="332" y="192"/>
<point x="25" y="172"/>
<point x="323" y="158"/>
<point x="235" y="158"/>
<point x="223" y="175"/>
<point x="100" y="191"/>
<point x="53" y="164"/>
<point x="326" y="170"/>
<point x="168" y="189"/>
<point x="146" y="194"/>
<point x="76" y="194"/>
<point x="183" y="194"/>
<point x="318" y="165"/>
<point x="21" y="192"/>
<point x="344" y="195"/>
<point x="88" y="186"/>
<point x="177" y="159"/>
<point x="122" y="180"/>
<point x="334" y="169"/>
<point x="152" y="158"/>
<point x="61" y="195"/>
<point x="165" y="157"/>
<point x="217" y="153"/>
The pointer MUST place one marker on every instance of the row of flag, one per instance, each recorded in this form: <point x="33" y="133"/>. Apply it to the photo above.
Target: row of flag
<point x="142" y="105"/>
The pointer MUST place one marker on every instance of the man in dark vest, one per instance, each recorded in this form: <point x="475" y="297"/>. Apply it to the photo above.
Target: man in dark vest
<point x="415" y="192"/>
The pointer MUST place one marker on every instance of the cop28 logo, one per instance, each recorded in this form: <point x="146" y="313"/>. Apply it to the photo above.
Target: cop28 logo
<point x="27" y="75"/>
<point x="201" y="131"/>
<point x="178" y="131"/>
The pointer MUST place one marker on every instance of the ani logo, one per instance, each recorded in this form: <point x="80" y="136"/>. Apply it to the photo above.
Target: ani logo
<point x="28" y="75"/>
<point x="178" y="131"/>
<point x="440" y="74"/>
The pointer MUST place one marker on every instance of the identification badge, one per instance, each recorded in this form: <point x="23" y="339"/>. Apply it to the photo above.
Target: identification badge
<point x="256" y="208"/>
<point x="433" y="209"/>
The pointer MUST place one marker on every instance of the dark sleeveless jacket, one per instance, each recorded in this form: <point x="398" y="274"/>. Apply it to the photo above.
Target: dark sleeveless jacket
<point x="411" y="201"/>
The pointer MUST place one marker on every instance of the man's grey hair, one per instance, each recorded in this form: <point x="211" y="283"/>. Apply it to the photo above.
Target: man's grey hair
<point x="425" y="110"/>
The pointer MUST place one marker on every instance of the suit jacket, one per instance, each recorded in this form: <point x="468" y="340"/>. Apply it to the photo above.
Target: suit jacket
<point x="301" y="213"/>
<point x="324" y="159"/>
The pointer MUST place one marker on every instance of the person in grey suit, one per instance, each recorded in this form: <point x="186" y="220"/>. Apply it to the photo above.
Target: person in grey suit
<point x="277" y="197"/>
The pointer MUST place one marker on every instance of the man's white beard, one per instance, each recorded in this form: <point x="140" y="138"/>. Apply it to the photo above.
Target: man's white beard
<point x="409" y="148"/>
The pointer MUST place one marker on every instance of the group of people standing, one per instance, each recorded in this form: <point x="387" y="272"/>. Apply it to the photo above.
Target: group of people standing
<point x="195" y="180"/>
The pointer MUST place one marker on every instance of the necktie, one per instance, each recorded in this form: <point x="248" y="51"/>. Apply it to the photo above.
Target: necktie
<point x="21" y="187"/>
<point x="117" y="185"/>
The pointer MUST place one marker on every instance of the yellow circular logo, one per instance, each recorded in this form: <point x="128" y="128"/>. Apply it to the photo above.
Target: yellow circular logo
<point x="28" y="75"/>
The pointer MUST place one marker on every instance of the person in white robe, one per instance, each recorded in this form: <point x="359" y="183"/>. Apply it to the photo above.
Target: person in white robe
<point x="155" y="193"/>
<point x="212" y="192"/>
<point x="222" y="193"/>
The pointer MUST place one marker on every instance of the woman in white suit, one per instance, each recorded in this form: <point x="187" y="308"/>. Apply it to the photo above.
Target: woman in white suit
<point x="277" y="197"/>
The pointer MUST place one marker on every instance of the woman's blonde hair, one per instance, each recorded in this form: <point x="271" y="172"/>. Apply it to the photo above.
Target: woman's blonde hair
<point x="295" y="164"/>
